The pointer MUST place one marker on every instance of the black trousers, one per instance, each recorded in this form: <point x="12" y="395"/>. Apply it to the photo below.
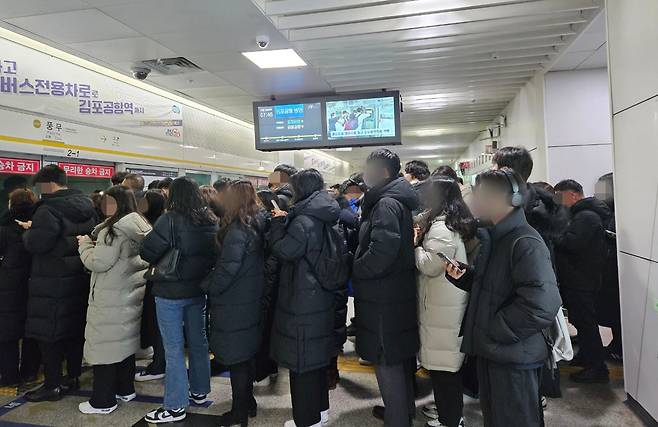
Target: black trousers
<point x="53" y="353"/>
<point x="396" y="386"/>
<point x="19" y="361"/>
<point x="242" y="388"/>
<point x="112" y="380"/>
<point x="582" y="314"/>
<point x="448" y="396"/>
<point x="150" y="333"/>
<point x="509" y="396"/>
<point x="265" y="366"/>
<point x="310" y="396"/>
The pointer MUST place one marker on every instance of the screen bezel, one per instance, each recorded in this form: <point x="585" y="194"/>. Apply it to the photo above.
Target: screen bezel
<point x="325" y="142"/>
<point x="290" y="145"/>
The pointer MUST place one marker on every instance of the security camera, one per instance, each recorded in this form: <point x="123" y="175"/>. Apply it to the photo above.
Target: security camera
<point x="140" y="73"/>
<point x="263" y="41"/>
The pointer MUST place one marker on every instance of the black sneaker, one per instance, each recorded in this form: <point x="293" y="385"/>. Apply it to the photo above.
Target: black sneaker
<point x="146" y="375"/>
<point x="198" y="399"/>
<point x="162" y="416"/>
<point x="231" y="418"/>
<point x="43" y="394"/>
<point x="591" y="376"/>
<point x="351" y="330"/>
<point x="70" y="384"/>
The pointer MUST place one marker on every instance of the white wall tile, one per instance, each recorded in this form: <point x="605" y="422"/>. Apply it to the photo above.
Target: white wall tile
<point x="577" y="107"/>
<point x="634" y="278"/>
<point x="586" y="164"/>
<point x="636" y="160"/>
<point x="647" y="393"/>
<point x="632" y="39"/>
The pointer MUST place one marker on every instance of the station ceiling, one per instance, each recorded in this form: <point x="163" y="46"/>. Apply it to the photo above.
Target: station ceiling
<point x="457" y="63"/>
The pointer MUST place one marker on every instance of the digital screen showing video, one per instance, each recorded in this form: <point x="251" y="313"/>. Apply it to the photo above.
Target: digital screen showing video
<point x="361" y="118"/>
<point x="290" y="123"/>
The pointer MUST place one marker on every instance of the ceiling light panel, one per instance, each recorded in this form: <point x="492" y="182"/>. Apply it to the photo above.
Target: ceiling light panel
<point x="278" y="58"/>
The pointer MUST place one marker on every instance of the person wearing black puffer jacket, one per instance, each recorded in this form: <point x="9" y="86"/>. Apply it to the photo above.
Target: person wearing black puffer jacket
<point x="59" y="285"/>
<point x="15" y="272"/>
<point x="513" y="297"/>
<point x="235" y="289"/>
<point x="302" y="337"/>
<point x="384" y="277"/>
<point x="581" y="254"/>
<point x="189" y="226"/>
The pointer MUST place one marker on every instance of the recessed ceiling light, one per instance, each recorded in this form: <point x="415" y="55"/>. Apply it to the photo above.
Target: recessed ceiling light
<point x="425" y="147"/>
<point x="190" y="147"/>
<point x="429" y="132"/>
<point x="430" y="156"/>
<point x="344" y="149"/>
<point x="279" y="58"/>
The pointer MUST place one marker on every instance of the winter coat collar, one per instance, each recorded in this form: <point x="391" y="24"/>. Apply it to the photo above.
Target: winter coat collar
<point x="515" y="219"/>
<point x="319" y="205"/>
<point x="133" y="225"/>
<point x="398" y="189"/>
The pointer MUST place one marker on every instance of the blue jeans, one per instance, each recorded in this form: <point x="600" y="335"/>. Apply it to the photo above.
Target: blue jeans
<point x="174" y="315"/>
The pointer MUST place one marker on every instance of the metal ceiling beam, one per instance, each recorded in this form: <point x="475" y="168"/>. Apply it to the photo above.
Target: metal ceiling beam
<point x="441" y="19"/>
<point x="285" y="7"/>
<point x="432" y="84"/>
<point x="492" y="28"/>
<point x="442" y="52"/>
<point x="384" y="11"/>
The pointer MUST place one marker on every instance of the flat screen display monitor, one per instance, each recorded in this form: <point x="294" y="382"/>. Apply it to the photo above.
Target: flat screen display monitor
<point x="288" y="125"/>
<point x="354" y="120"/>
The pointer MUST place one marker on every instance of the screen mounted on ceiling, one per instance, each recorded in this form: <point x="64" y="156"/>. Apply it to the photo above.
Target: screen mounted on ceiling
<point x="352" y="120"/>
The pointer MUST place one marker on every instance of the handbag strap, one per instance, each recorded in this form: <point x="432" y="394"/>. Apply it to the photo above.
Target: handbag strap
<point x="172" y="240"/>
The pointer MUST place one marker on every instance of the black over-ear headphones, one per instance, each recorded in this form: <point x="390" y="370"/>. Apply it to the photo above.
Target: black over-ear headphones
<point x="517" y="198"/>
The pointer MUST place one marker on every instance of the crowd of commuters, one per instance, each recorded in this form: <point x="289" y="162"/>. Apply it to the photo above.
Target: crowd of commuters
<point x="451" y="277"/>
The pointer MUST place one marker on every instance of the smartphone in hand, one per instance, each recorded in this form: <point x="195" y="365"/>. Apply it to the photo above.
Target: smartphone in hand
<point x="448" y="260"/>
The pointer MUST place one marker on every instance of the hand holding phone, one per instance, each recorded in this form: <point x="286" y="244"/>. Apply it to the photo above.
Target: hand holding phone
<point x="448" y="260"/>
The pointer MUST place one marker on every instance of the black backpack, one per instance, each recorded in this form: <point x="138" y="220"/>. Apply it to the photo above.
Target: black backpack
<point x="331" y="267"/>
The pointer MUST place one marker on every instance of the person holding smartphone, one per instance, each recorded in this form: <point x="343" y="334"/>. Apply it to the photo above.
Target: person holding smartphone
<point x="440" y="234"/>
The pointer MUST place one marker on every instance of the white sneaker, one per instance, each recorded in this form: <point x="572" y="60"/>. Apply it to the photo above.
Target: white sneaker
<point x="162" y="416"/>
<point x="324" y="416"/>
<point x="265" y="382"/>
<point x="86" y="408"/>
<point x="430" y="411"/>
<point x="126" y="398"/>
<point x="437" y="423"/>
<point x="145" y="376"/>
<point x="198" y="399"/>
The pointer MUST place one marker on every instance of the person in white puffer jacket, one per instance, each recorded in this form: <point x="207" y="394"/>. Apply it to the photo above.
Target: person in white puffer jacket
<point x="112" y="334"/>
<point x="442" y="228"/>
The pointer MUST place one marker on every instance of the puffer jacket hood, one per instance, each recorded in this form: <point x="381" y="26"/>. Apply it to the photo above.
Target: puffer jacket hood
<point x="398" y="189"/>
<point x="592" y="204"/>
<point x="133" y="225"/>
<point x="320" y="205"/>
<point x="71" y="203"/>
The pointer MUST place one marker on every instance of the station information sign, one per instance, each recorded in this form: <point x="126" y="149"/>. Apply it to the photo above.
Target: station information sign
<point x="19" y="166"/>
<point x="87" y="171"/>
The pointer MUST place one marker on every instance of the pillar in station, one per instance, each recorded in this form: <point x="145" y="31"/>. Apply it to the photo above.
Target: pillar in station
<point x="633" y="65"/>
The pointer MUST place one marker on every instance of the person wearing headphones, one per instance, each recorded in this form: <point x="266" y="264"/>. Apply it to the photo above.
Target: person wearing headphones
<point x="513" y="296"/>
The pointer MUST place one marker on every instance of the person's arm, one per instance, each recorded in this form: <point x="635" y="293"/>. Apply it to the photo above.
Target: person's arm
<point x="288" y="243"/>
<point x="158" y="241"/>
<point x="578" y="235"/>
<point x="99" y="257"/>
<point x="536" y="299"/>
<point x="437" y="239"/>
<point x="42" y="236"/>
<point x="384" y="244"/>
<point x="230" y="261"/>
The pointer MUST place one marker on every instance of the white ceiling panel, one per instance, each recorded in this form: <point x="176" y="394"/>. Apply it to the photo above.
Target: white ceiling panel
<point x="15" y="9"/>
<point x="264" y="83"/>
<point x="204" y="93"/>
<point x="194" y="79"/>
<point x="131" y="49"/>
<point x="599" y="59"/>
<point x="75" y="26"/>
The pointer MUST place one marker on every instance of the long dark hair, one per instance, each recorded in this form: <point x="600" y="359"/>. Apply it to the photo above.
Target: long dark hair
<point x="156" y="201"/>
<point x="306" y="182"/>
<point x="126" y="204"/>
<point x="444" y="198"/>
<point x="241" y="205"/>
<point x="186" y="199"/>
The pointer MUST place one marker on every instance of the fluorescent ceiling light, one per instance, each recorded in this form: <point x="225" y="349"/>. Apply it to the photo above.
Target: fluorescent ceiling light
<point x="431" y="156"/>
<point x="425" y="147"/>
<point x="191" y="147"/>
<point x="429" y="132"/>
<point x="280" y="58"/>
<point x="344" y="149"/>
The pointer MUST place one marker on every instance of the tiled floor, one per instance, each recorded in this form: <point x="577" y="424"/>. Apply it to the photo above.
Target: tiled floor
<point x="350" y="404"/>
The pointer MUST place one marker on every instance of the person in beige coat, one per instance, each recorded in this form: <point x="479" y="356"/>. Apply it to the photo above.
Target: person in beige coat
<point x="442" y="228"/>
<point x="112" y="335"/>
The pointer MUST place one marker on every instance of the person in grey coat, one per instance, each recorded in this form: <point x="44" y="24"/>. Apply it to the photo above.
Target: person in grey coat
<point x="112" y="335"/>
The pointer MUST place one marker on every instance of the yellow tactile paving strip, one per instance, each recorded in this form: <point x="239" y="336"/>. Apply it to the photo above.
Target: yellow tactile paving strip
<point x="351" y="364"/>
